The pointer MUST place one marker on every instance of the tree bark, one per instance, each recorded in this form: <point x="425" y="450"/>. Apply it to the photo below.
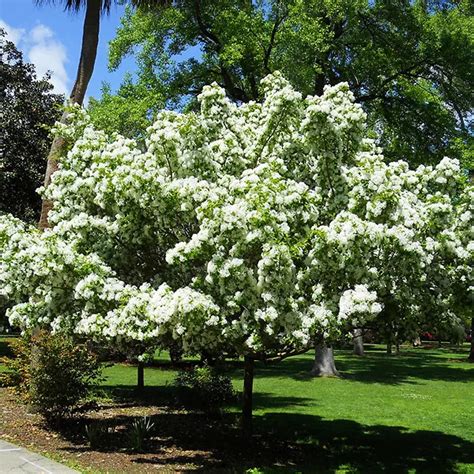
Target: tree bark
<point x="140" y="376"/>
<point x="471" y="353"/>
<point x="397" y="347"/>
<point x="247" y="399"/>
<point x="90" y="40"/>
<point x="389" y="348"/>
<point x="324" y="364"/>
<point x="358" y="342"/>
<point x="35" y="355"/>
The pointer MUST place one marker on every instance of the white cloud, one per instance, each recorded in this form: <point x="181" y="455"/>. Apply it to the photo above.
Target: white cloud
<point x="49" y="54"/>
<point x="41" y="48"/>
<point x="41" y="33"/>
<point x="13" y="34"/>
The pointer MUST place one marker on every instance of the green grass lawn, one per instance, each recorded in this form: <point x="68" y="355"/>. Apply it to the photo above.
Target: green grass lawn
<point x="408" y="413"/>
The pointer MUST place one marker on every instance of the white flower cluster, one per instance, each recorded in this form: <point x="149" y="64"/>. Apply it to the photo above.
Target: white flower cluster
<point x="358" y="302"/>
<point x="253" y="227"/>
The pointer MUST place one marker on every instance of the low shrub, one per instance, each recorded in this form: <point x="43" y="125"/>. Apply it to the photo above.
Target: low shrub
<point x="52" y="373"/>
<point x="204" y="388"/>
<point x="139" y="433"/>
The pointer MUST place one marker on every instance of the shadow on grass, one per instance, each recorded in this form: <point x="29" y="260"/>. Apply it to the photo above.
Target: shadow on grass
<point x="375" y="367"/>
<point x="289" y="442"/>
<point x="405" y="368"/>
<point x="168" y="396"/>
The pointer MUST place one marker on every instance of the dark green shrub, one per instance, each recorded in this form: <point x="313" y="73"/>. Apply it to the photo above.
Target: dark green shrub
<point x="52" y="373"/>
<point x="203" y="387"/>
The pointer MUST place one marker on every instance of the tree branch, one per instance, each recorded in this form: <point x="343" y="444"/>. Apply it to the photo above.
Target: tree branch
<point x="279" y="20"/>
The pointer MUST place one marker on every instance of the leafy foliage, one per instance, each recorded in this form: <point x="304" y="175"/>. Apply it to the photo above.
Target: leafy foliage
<point x="249" y="229"/>
<point x="204" y="388"/>
<point x="28" y="109"/>
<point x="410" y="64"/>
<point x="139" y="432"/>
<point x="96" y="434"/>
<point x="127" y="112"/>
<point x="52" y="373"/>
<point x="17" y="363"/>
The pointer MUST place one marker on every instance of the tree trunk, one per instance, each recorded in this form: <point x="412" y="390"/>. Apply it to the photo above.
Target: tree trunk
<point x="140" y="376"/>
<point x="389" y="348"/>
<point x="358" y="342"/>
<point x="247" y="395"/>
<point x="471" y="353"/>
<point x="35" y="356"/>
<point x="324" y="365"/>
<point x="90" y="40"/>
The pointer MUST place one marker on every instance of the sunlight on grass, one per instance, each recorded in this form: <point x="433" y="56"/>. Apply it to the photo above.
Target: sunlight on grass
<point x="421" y="389"/>
<point x="403" y="413"/>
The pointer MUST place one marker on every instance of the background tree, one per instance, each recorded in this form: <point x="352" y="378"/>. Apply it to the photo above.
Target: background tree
<point x="28" y="108"/>
<point x="129" y="111"/>
<point x="409" y="63"/>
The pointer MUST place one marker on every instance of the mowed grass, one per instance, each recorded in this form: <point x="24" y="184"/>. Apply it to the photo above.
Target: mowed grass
<point x="408" y="413"/>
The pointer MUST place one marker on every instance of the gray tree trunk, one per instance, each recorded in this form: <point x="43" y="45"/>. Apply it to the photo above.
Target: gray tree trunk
<point x="358" y="342"/>
<point x="324" y="364"/>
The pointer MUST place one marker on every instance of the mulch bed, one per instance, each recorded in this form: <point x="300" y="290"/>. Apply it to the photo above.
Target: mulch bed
<point x="181" y="440"/>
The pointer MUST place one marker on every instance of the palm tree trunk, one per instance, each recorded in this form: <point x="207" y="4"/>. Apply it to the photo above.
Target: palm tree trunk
<point x="90" y="40"/>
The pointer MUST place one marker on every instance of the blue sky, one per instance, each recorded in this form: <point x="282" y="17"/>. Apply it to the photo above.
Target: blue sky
<point x="50" y="38"/>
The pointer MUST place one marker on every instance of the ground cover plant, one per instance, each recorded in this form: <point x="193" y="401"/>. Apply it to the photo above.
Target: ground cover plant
<point x="403" y="413"/>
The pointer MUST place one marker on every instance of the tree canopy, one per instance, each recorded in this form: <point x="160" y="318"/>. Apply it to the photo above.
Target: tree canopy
<point x="29" y="108"/>
<point x="409" y="63"/>
<point x="253" y="228"/>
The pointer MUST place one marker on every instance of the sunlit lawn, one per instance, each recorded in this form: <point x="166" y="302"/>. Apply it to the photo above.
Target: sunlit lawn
<point x="412" y="411"/>
<point x="408" y="413"/>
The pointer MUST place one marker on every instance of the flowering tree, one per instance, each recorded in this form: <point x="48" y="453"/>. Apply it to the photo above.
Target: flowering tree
<point x="255" y="229"/>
